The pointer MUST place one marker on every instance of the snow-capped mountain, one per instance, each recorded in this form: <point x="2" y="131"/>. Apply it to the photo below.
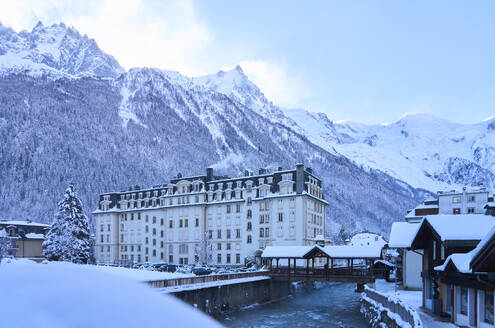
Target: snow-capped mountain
<point x="422" y="150"/>
<point x="81" y="118"/>
<point x="237" y="86"/>
<point x="55" y="49"/>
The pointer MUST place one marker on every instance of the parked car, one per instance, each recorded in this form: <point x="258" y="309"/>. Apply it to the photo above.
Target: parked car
<point x="201" y="271"/>
<point x="171" y="268"/>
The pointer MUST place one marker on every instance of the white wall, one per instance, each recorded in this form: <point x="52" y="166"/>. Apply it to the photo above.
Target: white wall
<point x="412" y="265"/>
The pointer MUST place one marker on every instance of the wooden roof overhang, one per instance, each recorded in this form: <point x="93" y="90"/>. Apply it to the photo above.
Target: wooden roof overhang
<point x="314" y="253"/>
<point x="484" y="260"/>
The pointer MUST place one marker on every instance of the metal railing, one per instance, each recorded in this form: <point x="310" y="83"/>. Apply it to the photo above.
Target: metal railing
<point x="395" y="305"/>
<point x="203" y="279"/>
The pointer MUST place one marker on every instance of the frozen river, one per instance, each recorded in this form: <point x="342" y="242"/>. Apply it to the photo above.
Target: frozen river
<point x="328" y="305"/>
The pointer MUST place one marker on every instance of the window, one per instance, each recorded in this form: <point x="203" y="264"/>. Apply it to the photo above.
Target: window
<point x="471" y="199"/>
<point x="161" y="221"/>
<point x="456" y="199"/>
<point x="249" y="188"/>
<point x="171" y="224"/>
<point x="197" y="223"/>
<point x="228" y="247"/>
<point x="470" y="210"/>
<point x="262" y="218"/>
<point x="238" y="208"/>
<point x="101" y="238"/>
<point x="181" y="223"/>
<point x="154" y="220"/>
<point x="170" y="258"/>
<point x="262" y="232"/>
<point x="464" y="300"/>
<point x="186" y="223"/>
<point x="154" y="231"/>
<point x="442" y="252"/>
<point x="249" y="239"/>
<point x="219" y="246"/>
<point x="219" y="234"/>
<point x="262" y="193"/>
<point x="249" y="214"/>
<point x="249" y="226"/>
<point x="228" y="258"/>
<point x="267" y="232"/>
<point x="219" y="258"/>
<point x="101" y="228"/>
<point x="488" y="317"/>
<point x="434" y="250"/>
<point x="456" y="211"/>
<point x="238" y="233"/>
<point x="228" y="208"/>
<point x="210" y="234"/>
<point x="280" y="217"/>
<point x="154" y="242"/>
<point x="238" y="258"/>
<point x="228" y="233"/>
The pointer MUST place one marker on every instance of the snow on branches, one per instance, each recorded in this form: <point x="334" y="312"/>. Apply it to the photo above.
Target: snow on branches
<point x="69" y="237"/>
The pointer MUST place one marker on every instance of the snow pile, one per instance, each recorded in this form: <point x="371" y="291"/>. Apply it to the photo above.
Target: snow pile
<point x="73" y="295"/>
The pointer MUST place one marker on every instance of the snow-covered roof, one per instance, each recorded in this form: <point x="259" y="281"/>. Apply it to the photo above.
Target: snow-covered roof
<point x="430" y="199"/>
<point x="464" y="189"/>
<point x="461" y="227"/>
<point x="33" y="235"/>
<point x="490" y="204"/>
<point x="402" y="234"/>
<point x="362" y="252"/>
<point x="387" y="263"/>
<point x="26" y="223"/>
<point x="460" y="260"/>
<point x="286" y="251"/>
<point x="332" y="251"/>
<point x="423" y="206"/>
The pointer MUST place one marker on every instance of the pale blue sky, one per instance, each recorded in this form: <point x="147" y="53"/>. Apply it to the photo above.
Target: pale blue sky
<point x="367" y="61"/>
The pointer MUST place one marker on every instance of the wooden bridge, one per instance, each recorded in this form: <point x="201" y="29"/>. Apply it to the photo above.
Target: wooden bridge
<point x="317" y="263"/>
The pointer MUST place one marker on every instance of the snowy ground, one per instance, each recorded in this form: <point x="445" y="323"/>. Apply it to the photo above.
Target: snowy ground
<point x="59" y="295"/>
<point x="414" y="299"/>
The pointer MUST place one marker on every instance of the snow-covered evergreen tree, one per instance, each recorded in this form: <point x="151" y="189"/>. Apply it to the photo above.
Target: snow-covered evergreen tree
<point x="69" y="238"/>
<point x="204" y="250"/>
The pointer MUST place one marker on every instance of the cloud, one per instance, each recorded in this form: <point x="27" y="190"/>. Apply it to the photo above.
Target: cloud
<point x="279" y="85"/>
<point x="163" y="34"/>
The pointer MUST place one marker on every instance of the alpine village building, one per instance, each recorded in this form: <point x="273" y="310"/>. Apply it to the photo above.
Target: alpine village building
<point x="441" y="232"/>
<point x="210" y="219"/>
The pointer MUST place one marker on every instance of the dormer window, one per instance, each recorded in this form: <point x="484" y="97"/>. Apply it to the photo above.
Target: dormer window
<point x="229" y="185"/>
<point x="211" y="187"/>
<point x="270" y="180"/>
<point x="262" y="192"/>
<point x="261" y="181"/>
<point x="239" y="184"/>
<point x="287" y="177"/>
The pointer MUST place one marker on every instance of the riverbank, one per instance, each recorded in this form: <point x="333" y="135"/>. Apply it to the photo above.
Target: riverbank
<point x="309" y="305"/>
<point x="414" y="299"/>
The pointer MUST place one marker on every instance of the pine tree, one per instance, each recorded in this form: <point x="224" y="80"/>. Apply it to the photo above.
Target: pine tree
<point x="5" y="244"/>
<point x="69" y="236"/>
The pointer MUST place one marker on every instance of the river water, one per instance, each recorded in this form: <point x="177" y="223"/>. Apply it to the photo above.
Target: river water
<point x="325" y="305"/>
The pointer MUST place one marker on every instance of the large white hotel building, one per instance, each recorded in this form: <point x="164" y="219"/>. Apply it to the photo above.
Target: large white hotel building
<point x="210" y="219"/>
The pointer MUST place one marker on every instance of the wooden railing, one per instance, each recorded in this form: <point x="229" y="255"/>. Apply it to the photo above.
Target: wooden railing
<point x="202" y="279"/>
<point x="395" y="305"/>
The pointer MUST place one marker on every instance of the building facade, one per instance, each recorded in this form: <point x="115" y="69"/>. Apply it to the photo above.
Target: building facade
<point x="210" y="219"/>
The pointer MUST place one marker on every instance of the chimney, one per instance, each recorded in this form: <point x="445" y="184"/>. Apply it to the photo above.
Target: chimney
<point x="280" y="168"/>
<point x="261" y="171"/>
<point x="310" y="170"/>
<point x="209" y="174"/>
<point x="299" y="178"/>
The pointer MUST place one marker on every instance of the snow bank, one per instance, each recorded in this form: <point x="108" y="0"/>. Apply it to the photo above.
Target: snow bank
<point x="69" y="295"/>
